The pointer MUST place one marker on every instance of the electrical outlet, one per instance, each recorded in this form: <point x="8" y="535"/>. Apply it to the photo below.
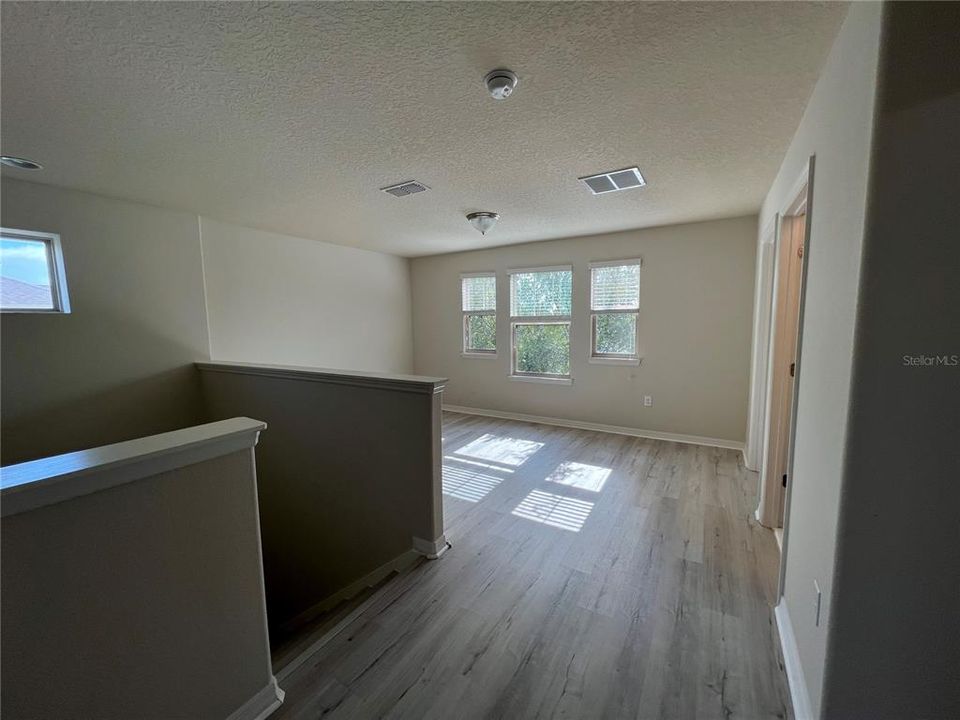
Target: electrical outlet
<point x="816" y="603"/>
<point x="647" y="401"/>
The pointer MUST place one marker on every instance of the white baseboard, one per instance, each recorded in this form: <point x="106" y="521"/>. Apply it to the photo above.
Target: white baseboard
<point x="598" y="427"/>
<point x="261" y="705"/>
<point x="368" y="580"/>
<point x="431" y="549"/>
<point x="791" y="661"/>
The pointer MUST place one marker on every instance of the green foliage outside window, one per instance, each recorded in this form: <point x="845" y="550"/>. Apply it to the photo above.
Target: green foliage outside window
<point x="481" y="332"/>
<point x="616" y="334"/>
<point x="542" y="349"/>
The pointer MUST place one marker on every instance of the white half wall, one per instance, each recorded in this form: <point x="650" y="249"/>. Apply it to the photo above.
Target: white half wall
<point x="290" y="301"/>
<point x="696" y="295"/>
<point x="837" y="128"/>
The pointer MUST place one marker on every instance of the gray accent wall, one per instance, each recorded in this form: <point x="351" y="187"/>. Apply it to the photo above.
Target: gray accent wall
<point x="349" y="476"/>
<point x="120" y="365"/>
<point x="894" y="637"/>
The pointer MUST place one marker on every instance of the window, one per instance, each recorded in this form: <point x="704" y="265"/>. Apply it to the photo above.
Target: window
<point x="478" y="301"/>
<point x="31" y="273"/>
<point x="540" y="302"/>
<point x="614" y="310"/>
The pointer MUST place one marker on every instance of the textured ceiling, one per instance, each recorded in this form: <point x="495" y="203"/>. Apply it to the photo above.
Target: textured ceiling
<point x="289" y="117"/>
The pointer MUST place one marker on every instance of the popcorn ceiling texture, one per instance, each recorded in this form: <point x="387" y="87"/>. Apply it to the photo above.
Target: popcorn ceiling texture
<point x="290" y="117"/>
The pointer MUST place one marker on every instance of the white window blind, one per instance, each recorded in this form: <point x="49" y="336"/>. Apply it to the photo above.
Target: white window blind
<point x="541" y="294"/>
<point x="614" y="306"/>
<point x="615" y="287"/>
<point x="478" y="303"/>
<point x="479" y="293"/>
<point x="540" y="306"/>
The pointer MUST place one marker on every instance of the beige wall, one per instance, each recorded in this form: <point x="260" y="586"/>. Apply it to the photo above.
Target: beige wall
<point x="280" y="299"/>
<point x="836" y="127"/>
<point x="120" y="365"/>
<point x="149" y="603"/>
<point x="696" y="297"/>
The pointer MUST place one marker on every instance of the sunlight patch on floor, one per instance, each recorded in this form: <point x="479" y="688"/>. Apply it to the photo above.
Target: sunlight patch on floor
<point x="580" y="475"/>
<point x="554" y="510"/>
<point x="498" y="449"/>
<point x="467" y="483"/>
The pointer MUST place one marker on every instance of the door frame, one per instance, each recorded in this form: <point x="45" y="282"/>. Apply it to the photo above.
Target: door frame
<point x="807" y="233"/>
<point x="761" y="391"/>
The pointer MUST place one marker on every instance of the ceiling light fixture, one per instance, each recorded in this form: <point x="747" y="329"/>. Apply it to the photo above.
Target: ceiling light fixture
<point x="19" y="163"/>
<point x="483" y="221"/>
<point x="614" y="180"/>
<point x="501" y="83"/>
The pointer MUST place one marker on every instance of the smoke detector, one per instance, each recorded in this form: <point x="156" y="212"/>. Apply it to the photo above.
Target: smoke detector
<point x="501" y="83"/>
<point x="483" y="221"/>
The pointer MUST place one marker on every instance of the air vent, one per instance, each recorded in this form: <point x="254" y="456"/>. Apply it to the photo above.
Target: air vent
<point x="405" y="188"/>
<point x="614" y="180"/>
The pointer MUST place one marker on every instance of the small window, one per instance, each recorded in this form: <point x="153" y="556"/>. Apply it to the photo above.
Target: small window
<point x="31" y="273"/>
<point x="614" y="310"/>
<point x="478" y="302"/>
<point x="540" y="302"/>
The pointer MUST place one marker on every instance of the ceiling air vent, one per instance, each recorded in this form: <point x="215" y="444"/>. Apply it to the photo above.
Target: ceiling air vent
<point x="614" y="180"/>
<point x="405" y="188"/>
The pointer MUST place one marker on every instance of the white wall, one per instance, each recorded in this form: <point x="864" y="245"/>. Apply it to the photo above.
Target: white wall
<point x="280" y="299"/>
<point x="696" y="297"/>
<point x="120" y="365"/>
<point x="836" y="127"/>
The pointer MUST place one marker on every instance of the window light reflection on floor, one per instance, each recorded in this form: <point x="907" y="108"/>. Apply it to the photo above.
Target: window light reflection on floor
<point x="477" y="463"/>
<point x="467" y="483"/>
<point x="555" y="510"/>
<point x="500" y="450"/>
<point x="580" y="475"/>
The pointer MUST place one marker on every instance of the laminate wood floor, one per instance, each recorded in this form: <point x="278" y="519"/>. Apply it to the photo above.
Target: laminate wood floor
<point x="591" y="576"/>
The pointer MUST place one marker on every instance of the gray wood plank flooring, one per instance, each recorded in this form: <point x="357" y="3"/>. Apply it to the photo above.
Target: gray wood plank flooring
<point x="591" y="576"/>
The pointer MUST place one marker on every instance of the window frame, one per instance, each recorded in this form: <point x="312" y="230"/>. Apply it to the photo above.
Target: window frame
<point x="466" y="351"/>
<point x="600" y="358"/>
<point x="58" y="278"/>
<point x="517" y="320"/>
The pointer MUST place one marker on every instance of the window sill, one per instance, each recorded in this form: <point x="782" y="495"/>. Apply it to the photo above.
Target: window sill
<point x="482" y="356"/>
<point x="544" y="380"/>
<point x="615" y="361"/>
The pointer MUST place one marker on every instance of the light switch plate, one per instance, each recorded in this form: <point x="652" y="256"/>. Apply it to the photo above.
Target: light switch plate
<point x="816" y="603"/>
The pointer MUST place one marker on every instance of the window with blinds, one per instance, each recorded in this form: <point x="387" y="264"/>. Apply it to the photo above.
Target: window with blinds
<point x="540" y="307"/>
<point x="478" y="303"/>
<point x="614" y="310"/>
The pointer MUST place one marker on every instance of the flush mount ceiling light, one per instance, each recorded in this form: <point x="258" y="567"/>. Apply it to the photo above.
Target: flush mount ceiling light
<point x="19" y="163"/>
<point x="501" y="83"/>
<point x="614" y="180"/>
<point x="483" y="221"/>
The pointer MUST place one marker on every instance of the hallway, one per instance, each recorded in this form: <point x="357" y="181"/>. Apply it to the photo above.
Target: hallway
<point x="590" y="575"/>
